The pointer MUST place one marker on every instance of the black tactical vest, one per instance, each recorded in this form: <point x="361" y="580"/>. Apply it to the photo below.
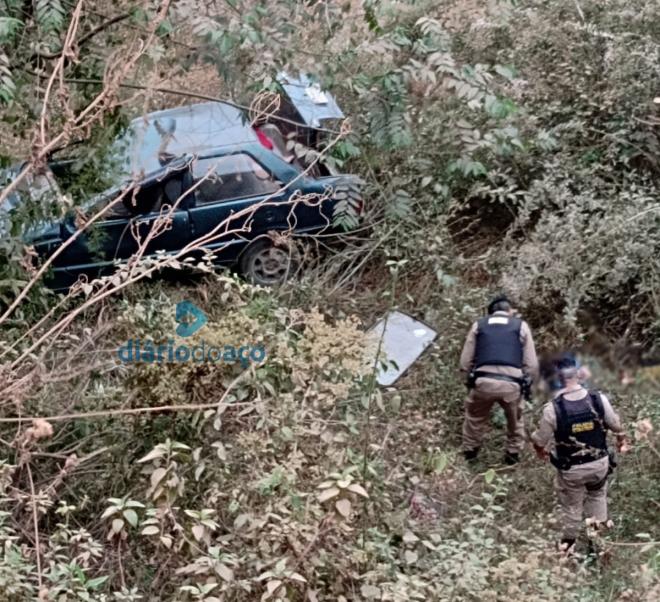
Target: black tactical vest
<point x="498" y="342"/>
<point x="581" y="434"/>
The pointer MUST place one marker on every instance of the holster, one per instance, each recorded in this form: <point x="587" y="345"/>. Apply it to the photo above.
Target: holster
<point x="611" y="455"/>
<point x="471" y="379"/>
<point x="560" y="463"/>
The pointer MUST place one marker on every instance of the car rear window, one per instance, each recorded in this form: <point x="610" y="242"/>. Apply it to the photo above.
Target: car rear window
<point x="231" y="177"/>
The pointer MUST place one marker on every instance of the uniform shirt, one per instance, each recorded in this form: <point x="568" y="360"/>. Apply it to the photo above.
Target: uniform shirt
<point x="545" y="434"/>
<point x="530" y="364"/>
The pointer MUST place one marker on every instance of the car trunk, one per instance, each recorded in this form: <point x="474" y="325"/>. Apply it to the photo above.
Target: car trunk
<point x="299" y="129"/>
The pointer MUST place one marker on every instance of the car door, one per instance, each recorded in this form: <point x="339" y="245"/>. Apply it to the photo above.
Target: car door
<point x="125" y="229"/>
<point x="91" y="253"/>
<point x="160" y="222"/>
<point x="235" y="200"/>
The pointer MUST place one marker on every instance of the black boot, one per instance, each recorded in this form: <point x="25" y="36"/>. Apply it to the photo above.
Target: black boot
<point x="470" y="455"/>
<point x="567" y="545"/>
<point x="511" y="458"/>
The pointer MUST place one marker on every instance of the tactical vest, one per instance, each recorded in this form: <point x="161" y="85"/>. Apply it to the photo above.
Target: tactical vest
<point x="498" y="342"/>
<point x="581" y="434"/>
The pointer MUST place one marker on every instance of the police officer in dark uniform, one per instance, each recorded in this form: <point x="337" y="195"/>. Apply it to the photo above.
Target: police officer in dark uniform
<point x="500" y="359"/>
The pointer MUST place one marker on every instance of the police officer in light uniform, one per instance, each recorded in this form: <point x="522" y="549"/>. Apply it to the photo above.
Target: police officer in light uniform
<point x="575" y="424"/>
<point x="499" y="356"/>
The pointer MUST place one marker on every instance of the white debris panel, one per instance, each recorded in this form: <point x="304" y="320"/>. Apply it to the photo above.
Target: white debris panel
<point x="404" y="340"/>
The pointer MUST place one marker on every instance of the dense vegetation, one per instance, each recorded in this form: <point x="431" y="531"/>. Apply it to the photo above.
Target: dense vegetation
<point x="503" y="145"/>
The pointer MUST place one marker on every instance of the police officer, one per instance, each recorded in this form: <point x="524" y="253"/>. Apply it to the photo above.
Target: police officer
<point x="499" y="357"/>
<point x="549" y="372"/>
<point x="575" y="424"/>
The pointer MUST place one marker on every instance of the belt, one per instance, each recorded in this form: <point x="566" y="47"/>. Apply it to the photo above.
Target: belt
<point x="510" y="379"/>
<point x="560" y="463"/>
<point x="586" y="459"/>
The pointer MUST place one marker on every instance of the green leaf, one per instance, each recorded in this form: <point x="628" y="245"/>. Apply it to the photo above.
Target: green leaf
<point x="489" y="476"/>
<point x="49" y="15"/>
<point x="139" y="15"/>
<point x="97" y="582"/>
<point x="131" y="516"/>
<point x="504" y="71"/>
<point x="7" y="84"/>
<point x="253" y="36"/>
<point x="109" y="512"/>
<point x="180" y="446"/>
<point x="9" y="27"/>
<point x="165" y="28"/>
<point x="134" y="504"/>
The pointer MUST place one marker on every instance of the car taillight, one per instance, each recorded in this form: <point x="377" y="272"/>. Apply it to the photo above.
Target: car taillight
<point x="265" y="140"/>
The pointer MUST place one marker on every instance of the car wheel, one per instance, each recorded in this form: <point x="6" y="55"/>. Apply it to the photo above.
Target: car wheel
<point x="266" y="264"/>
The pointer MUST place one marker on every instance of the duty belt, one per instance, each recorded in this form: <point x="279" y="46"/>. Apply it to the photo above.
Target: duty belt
<point x="511" y="379"/>
<point x="566" y="463"/>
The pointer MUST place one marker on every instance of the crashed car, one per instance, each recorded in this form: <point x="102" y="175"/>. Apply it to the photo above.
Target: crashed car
<point x="221" y="180"/>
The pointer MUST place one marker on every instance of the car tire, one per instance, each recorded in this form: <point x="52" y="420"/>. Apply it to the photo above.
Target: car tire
<point x="267" y="264"/>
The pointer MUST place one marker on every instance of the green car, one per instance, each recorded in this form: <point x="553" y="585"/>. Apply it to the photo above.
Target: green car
<point x="198" y="180"/>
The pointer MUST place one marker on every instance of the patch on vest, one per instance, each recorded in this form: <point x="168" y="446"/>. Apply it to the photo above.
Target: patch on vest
<point x="581" y="427"/>
<point x="498" y="320"/>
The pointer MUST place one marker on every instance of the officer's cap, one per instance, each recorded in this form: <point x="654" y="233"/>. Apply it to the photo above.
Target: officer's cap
<point x="566" y="361"/>
<point x="567" y="367"/>
<point x="501" y="298"/>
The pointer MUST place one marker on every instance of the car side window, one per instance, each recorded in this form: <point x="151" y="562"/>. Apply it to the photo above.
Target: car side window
<point x="231" y="177"/>
<point x="117" y="210"/>
<point x="149" y="198"/>
<point x="143" y="199"/>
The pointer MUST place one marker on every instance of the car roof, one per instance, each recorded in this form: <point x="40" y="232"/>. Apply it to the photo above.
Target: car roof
<point x="186" y="130"/>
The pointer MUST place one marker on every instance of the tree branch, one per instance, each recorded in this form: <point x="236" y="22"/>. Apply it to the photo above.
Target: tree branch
<point x="84" y="39"/>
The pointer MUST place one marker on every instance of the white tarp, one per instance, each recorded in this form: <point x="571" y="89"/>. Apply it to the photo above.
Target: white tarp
<point x="405" y="339"/>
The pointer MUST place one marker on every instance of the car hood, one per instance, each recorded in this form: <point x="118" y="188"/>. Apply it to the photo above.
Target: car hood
<point x="37" y="189"/>
<point x="7" y="176"/>
<point x="44" y="232"/>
